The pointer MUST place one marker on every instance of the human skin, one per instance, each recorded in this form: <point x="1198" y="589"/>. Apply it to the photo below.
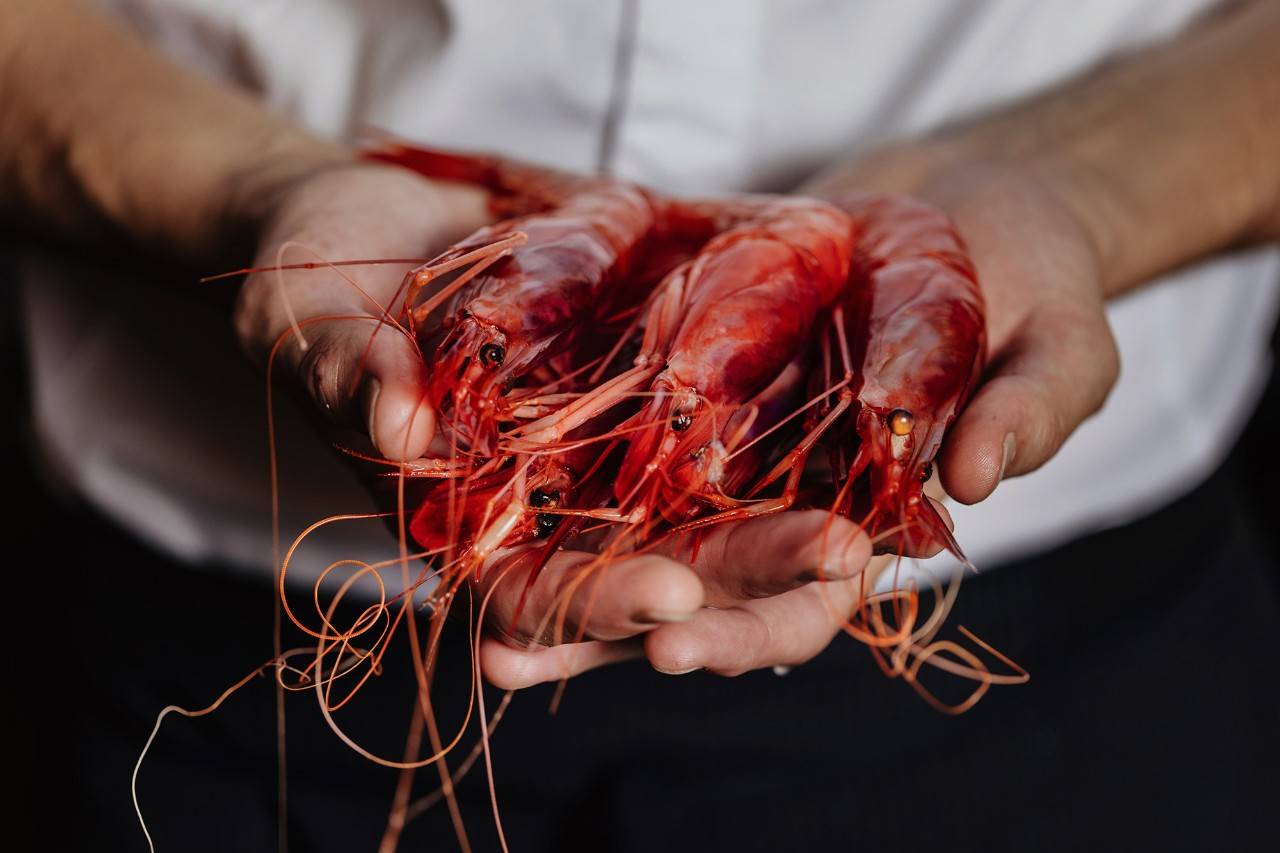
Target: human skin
<point x="1065" y="200"/>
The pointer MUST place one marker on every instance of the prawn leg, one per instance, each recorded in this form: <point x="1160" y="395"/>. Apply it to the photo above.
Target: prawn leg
<point x="792" y="465"/>
<point x="667" y="312"/>
<point x="483" y="258"/>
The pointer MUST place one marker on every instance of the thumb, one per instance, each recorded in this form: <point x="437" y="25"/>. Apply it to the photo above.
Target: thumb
<point x="368" y="374"/>
<point x="1056" y="370"/>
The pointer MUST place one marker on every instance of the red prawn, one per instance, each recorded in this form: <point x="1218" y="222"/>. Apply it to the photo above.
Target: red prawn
<point x="758" y="291"/>
<point x="587" y="242"/>
<point x="910" y="336"/>
<point x="591" y="249"/>
<point x="920" y="329"/>
<point x="905" y="345"/>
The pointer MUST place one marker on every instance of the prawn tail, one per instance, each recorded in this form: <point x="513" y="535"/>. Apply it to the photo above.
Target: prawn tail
<point x="934" y="527"/>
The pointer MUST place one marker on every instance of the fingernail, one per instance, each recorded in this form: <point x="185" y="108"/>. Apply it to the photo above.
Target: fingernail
<point x="1010" y="447"/>
<point x="678" y="671"/>
<point x="372" y="388"/>
<point x="653" y="617"/>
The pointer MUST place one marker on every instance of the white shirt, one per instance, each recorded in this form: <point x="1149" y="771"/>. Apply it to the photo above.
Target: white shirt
<point x="168" y="437"/>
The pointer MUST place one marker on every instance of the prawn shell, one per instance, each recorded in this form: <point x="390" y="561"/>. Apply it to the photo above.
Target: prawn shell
<point x="753" y="297"/>
<point x="585" y="236"/>
<point x="915" y="311"/>
<point x="924" y="348"/>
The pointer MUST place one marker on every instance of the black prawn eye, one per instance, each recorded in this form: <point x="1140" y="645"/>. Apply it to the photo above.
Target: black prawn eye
<point x="539" y="498"/>
<point x="926" y="472"/>
<point x="492" y="355"/>
<point x="681" y="421"/>
<point x="900" y="421"/>
<point x="545" y="525"/>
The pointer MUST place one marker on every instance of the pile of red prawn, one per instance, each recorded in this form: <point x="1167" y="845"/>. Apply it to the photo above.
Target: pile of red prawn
<point x="617" y="366"/>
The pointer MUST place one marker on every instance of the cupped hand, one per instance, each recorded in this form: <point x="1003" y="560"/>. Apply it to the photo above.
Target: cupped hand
<point x="1052" y="362"/>
<point x="325" y="318"/>
<point x="761" y="593"/>
<point x="1052" y="359"/>
<point x="765" y="592"/>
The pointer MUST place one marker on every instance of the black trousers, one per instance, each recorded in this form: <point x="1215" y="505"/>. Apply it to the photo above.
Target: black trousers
<point x="1152" y="721"/>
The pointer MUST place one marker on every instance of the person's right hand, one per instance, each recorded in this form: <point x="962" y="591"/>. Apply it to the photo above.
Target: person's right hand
<point x="351" y="211"/>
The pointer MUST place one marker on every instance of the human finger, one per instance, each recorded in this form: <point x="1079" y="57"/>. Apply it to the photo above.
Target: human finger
<point x="579" y="595"/>
<point x="920" y="541"/>
<point x="510" y="668"/>
<point x="1056" y="370"/>
<point x="360" y="372"/>
<point x="782" y="630"/>
<point x="773" y="554"/>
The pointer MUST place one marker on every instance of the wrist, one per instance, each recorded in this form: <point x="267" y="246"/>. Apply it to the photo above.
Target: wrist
<point x="181" y="166"/>
<point x="1083" y="202"/>
<point x="968" y="178"/>
<point x="252" y="187"/>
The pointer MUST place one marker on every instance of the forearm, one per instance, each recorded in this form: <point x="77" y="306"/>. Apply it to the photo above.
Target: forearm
<point x="105" y="138"/>
<point x="1163" y="157"/>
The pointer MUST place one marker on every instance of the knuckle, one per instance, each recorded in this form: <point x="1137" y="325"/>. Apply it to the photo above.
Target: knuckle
<point x="1036" y="417"/>
<point x="765" y="648"/>
<point x="1034" y="410"/>
<point x="1057" y="424"/>
<point x="724" y="547"/>
<point x="1108" y="366"/>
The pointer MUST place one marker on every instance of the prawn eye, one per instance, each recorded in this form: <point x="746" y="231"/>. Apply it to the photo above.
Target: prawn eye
<point x="681" y="421"/>
<point x="926" y="472"/>
<point x="545" y="525"/>
<point x="492" y="355"/>
<point x="901" y="421"/>
<point x="539" y="498"/>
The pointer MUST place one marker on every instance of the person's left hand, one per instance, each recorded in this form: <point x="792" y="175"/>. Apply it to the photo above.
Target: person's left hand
<point x="1051" y="359"/>
<point x="1051" y="363"/>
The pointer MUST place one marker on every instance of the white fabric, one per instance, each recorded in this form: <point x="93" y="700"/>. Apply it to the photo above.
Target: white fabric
<point x="726" y="95"/>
